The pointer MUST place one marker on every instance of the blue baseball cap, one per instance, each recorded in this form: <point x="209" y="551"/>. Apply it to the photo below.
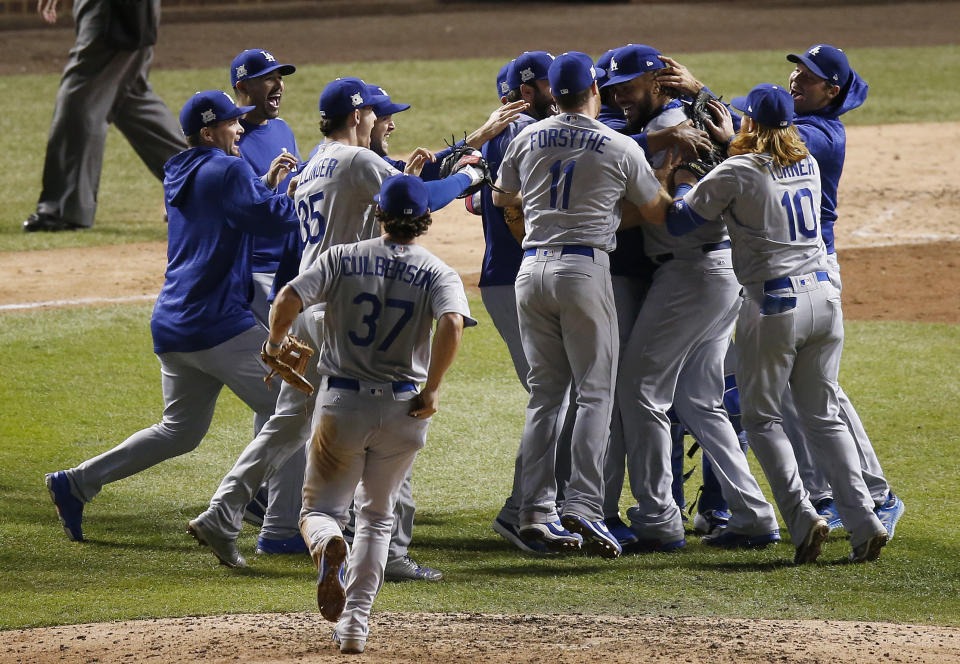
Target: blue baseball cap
<point x="630" y="61"/>
<point x="529" y="67"/>
<point x="256" y="62"/>
<point x="770" y="105"/>
<point x="502" y="86"/>
<point x="603" y="62"/>
<point x="208" y="108"/>
<point x="572" y="72"/>
<point x="827" y="62"/>
<point x="343" y="95"/>
<point x="403" y="195"/>
<point x="387" y="107"/>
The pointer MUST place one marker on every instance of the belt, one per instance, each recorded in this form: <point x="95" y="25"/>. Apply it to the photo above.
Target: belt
<point x="705" y="248"/>
<point x="336" y="382"/>
<point x="786" y="282"/>
<point x="578" y="249"/>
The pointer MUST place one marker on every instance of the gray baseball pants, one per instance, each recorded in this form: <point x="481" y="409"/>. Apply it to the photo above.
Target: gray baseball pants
<point x="568" y="324"/>
<point x="675" y="358"/>
<point x="800" y="346"/>
<point x="191" y="383"/>
<point x="101" y="85"/>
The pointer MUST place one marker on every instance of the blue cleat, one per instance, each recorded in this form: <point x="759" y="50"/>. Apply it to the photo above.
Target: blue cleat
<point x="553" y="536"/>
<point x="621" y="531"/>
<point x="69" y="508"/>
<point x="828" y="510"/>
<point x="597" y="540"/>
<point x="270" y="547"/>
<point x="710" y="522"/>
<point x="511" y="533"/>
<point x="727" y="539"/>
<point x="890" y="512"/>
<point x="331" y="597"/>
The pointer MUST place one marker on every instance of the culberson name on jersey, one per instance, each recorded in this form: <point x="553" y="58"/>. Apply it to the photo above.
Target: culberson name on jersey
<point x="386" y="268"/>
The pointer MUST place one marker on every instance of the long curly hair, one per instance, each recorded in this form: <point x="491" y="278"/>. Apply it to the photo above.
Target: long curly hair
<point x="784" y="145"/>
<point x="404" y="227"/>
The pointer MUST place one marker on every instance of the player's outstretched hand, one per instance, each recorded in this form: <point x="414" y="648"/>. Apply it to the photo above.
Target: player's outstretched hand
<point x="282" y="164"/>
<point x="292" y="186"/>
<point x="721" y="127"/>
<point x="677" y="77"/>
<point x="690" y="140"/>
<point x="47" y="9"/>
<point x="671" y="159"/>
<point x="425" y="404"/>
<point x="417" y="159"/>
<point x="496" y="123"/>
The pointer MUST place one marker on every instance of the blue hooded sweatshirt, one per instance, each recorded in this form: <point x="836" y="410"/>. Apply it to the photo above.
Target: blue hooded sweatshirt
<point x="216" y="204"/>
<point x="826" y="139"/>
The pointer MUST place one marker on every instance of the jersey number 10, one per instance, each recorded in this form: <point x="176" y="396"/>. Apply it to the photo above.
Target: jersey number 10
<point x="798" y="221"/>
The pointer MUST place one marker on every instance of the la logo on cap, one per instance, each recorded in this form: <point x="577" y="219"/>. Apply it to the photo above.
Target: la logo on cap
<point x="268" y="56"/>
<point x="613" y="64"/>
<point x="815" y="50"/>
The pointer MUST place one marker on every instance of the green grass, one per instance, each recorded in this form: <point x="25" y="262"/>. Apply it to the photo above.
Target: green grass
<point x="448" y="97"/>
<point x="139" y="563"/>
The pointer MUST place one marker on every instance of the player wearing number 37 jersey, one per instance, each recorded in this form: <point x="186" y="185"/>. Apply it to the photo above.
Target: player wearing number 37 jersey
<point x="790" y="328"/>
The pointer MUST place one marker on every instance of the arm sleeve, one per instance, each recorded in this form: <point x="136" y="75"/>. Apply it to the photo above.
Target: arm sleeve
<point x="368" y="171"/>
<point x="509" y="176"/>
<point x="680" y="218"/>
<point x="641" y="184"/>
<point x="443" y="191"/>
<point x="252" y="208"/>
<point x="448" y="296"/>
<point x="641" y="141"/>
<point x="706" y="201"/>
<point x="313" y="284"/>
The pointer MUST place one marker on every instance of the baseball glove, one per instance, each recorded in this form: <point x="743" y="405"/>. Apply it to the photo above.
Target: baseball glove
<point x="699" y="113"/>
<point x="289" y="363"/>
<point x="464" y="158"/>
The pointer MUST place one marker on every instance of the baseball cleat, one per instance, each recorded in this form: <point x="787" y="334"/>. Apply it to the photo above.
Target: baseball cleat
<point x="890" y="512"/>
<point x="597" y="539"/>
<point x="331" y="596"/>
<point x="621" y="531"/>
<point x="727" y="539"/>
<point x="255" y="511"/>
<point x="69" y="507"/>
<point x="809" y="549"/>
<point x="295" y="544"/>
<point x="828" y="510"/>
<point x="224" y="548"/>
<point x="553" y="536"/>
<point x="349" y="645"/>
<point x="869" y="550"/>
<point x="408" y="569"/>
<point x="709" y="522"/>
<point x="511" y="533"/>
<point x="655" y="546"/>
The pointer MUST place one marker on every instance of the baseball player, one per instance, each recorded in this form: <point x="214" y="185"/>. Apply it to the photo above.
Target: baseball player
<point x="382" y="296"/>
<point x="336" y="185"/>
<point x="570" y="173"/>
<point x="203" y="331"/>
<point x="674" y="354"/>
<point x="257" y="80"/>
<point x="790" y="328"/>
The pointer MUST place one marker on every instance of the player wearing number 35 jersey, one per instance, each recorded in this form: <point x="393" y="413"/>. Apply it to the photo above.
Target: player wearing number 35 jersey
<point x="790" y="329"/>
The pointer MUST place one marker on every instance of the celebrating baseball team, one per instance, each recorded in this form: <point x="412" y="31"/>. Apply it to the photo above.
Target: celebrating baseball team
<point x="658" y="263"/>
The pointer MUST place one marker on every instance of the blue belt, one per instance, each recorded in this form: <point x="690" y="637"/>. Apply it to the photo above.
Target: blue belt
<point x="784" y="282"/>
<point x="705" y="248"/>
<point x="335" y="382"/>
<point x="579" y="249"/>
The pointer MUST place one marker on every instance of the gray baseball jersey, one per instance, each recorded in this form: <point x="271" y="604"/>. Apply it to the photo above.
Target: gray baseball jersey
<point x="573" y="172"/>
<point x="334" y="197"/>
<point x="384" y="297"/>
<point x="771" y="213"/>
<point x="790" y="332"/>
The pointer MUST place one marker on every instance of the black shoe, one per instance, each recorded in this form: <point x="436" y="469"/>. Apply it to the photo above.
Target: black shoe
<point x="41" y="221"/>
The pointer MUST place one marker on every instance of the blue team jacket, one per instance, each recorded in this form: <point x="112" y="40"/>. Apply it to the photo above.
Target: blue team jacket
<point x="215" y="206"/>
<point x="259" y="145"/>
<point x="826" y="139"/>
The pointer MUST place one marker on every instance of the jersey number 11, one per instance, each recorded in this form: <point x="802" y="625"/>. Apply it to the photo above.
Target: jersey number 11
<point x="557" y="170"/>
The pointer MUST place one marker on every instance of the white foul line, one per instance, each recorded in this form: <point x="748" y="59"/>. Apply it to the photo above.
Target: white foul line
<point x="82" y="300"/>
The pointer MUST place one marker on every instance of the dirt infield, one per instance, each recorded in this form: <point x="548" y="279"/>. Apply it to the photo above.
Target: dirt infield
<point x="898" y="230"/>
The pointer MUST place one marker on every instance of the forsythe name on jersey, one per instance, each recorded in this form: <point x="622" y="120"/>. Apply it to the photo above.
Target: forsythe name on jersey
<point x="386" y="268"/>
<point x="574" y="138"/>
<point x="806" y="167"/>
